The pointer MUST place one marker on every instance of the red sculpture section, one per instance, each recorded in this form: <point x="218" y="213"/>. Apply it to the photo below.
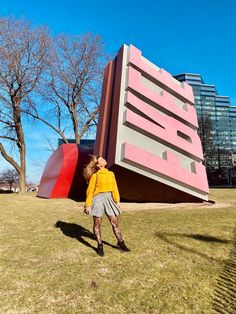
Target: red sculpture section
<point x="62" y="176"/>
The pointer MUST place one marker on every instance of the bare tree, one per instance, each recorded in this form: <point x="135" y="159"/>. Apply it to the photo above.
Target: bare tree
<point x="23" y="52"/>
<point x="72" y="85"/>
<point x="9" y="176"/>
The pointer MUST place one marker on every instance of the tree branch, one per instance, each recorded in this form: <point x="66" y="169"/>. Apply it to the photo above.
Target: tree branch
<point x="9" y="159"/>
<point x="8" y="138"/>
<point x="86" y="125"/>
<point x="46" y="122"/>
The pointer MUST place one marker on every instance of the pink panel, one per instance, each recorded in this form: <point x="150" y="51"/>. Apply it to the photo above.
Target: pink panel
<point x="169" y="167"/>
<point x="164" y="127"/>
<point x="164" y="100"/>
<point x="161" y="76"/>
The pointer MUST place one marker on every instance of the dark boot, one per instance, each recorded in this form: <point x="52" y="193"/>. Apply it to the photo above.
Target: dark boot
<point x="100" y="251"/>
<point x="123" y="248"/>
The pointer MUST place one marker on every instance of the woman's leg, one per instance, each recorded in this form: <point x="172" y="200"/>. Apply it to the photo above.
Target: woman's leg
<point x="97" y="228"/>
<point x="97" y="232"/>
<point x="115" y="227"/>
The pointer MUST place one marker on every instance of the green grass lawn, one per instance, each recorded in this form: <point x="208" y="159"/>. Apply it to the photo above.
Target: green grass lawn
<point x="182" y="259"/>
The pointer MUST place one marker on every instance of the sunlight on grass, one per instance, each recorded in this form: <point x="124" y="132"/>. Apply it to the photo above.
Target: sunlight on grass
<point x="49" y="263"/>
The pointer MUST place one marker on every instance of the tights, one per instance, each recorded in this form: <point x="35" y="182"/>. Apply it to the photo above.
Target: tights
<point x="115" y="227"/>
<point x="97" y="228"/>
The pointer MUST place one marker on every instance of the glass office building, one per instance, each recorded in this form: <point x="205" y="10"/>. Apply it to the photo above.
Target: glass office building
<point x="217" y="129"/>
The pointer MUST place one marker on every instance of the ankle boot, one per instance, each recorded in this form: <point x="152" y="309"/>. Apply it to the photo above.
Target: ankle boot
<point x="100" y="250"/>
<point x="122" y="246"/>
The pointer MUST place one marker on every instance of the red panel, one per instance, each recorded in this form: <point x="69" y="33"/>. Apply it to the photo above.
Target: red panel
<point x="50" y="173"/>
<point x="63" y="174"/>
<point x="79" y="185"/>
<point x="115" y="109"/>
<point x="65" y="177"/>
<point x="103" y="121"/>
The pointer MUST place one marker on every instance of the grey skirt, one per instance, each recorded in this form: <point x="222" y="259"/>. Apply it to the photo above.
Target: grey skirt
<point x="104" y="203"/>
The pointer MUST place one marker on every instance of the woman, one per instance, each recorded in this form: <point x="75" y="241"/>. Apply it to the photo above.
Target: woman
<point x="102" y="197"/>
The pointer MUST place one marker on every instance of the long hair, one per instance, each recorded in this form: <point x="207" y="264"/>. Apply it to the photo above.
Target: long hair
<point x="91" y="167"/>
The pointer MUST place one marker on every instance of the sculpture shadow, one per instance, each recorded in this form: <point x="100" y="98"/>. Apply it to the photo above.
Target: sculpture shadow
<point x="224" y="297"/>
<point x="80" y="233"/>
<point x="165" y="236"/>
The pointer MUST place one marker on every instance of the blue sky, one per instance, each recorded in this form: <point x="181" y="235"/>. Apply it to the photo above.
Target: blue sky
<point x="179" y="36"/>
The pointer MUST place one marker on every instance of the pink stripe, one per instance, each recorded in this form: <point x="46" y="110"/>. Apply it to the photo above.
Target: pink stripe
<point x="169" y="167"/>
<point x="167" y="131"/>
<point x="161" y="76"/>
<point x="164" y="100"/>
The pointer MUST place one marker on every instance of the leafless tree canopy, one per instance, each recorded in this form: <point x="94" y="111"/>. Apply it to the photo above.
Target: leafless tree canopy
<point x="72" y="84"/>
<point x="23" y="53"/>
<point x="56" y="80"/>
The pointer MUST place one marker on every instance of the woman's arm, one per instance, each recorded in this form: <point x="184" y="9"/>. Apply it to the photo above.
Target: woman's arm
<point x="90" y="191"/>
<point x="115" y="191"/>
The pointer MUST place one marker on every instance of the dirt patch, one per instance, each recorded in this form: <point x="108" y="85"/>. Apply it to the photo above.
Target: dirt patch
<point x="126" y="207"/>
<point x="146" y="206"/>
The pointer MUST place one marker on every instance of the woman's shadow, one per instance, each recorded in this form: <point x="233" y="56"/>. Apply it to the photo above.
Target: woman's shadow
<point x="78" y="232"/>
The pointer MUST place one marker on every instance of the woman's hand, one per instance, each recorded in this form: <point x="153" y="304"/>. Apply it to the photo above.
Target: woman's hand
<point x="87" y="210"/>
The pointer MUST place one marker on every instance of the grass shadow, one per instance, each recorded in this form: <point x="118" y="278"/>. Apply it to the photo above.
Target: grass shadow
<point x="207" y="238"/>
<point x="80" y="233"/>
<point x="224" y="298"/>
<point x="165" y="236"/>
<point x="6" y="192"/>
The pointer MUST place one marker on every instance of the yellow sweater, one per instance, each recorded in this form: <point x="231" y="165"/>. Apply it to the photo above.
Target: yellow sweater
<point x="102" y="181"/>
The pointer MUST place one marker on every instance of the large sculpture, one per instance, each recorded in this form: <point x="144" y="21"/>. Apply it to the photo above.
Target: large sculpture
<point x="147" y="131"/>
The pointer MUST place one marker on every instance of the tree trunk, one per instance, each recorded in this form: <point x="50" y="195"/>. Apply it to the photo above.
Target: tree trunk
<point x="77" y="138"/>
<point x="75" y="126"/>
<point x="22" y="176"/>
<point x="22" y="183"/>
<point x="20" y="144"/>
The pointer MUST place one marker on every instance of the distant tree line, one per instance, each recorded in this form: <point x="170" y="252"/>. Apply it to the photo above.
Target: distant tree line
<point x="52" y="79"/>
<point x="9" y="176"/>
